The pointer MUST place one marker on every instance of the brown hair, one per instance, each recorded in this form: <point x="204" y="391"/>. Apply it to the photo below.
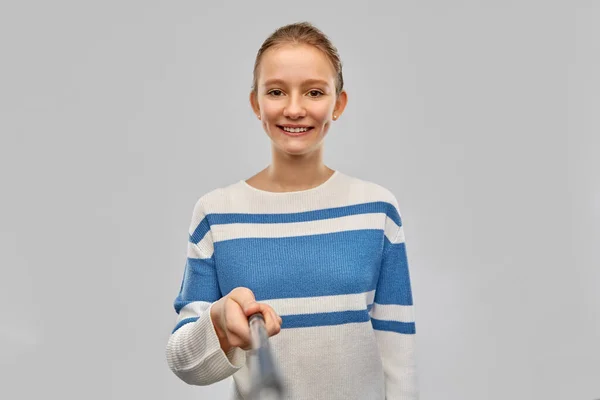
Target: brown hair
<point x="302" y="33"/>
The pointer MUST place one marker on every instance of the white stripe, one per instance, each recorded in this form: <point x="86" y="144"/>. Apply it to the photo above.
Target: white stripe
<point x="370" y="297"/>
<point x="400" y="237"/>
<point x="393" y="312"/>
<point x="391" y="230"/>
<point x="340" y="224"/>
<point x="204" y="249"/>
<point x="192" y="310"/>
<point x="313" y="347"/>
<point x="342" y="191"/>
<point x="321" y="304"/>
<point x="398" y="356"/>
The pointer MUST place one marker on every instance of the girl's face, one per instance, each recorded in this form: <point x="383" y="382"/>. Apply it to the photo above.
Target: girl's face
<point x="296" y="97"/>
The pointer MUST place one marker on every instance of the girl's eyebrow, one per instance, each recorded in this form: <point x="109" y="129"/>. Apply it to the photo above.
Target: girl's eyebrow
<point x="308" y="81"/>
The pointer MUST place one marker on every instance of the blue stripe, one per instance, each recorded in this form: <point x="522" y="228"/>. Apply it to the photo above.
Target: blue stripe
<point x="324" y="319"/>
<point x="200" y="231"/>
<point x="393" y="326"/>
<point x="199" y="283"/>
<point x="183" y="322"/>
<point x="302" y="266"/>
<point x="394" y="285"/>
<point x="327" y="213"/>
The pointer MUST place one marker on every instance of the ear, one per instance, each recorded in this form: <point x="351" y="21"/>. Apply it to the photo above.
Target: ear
<point x="254" y="103"/>
<point x="340" y="103"/>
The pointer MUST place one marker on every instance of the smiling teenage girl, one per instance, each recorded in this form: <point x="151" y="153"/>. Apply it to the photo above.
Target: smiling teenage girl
<point x="319" y="253"/>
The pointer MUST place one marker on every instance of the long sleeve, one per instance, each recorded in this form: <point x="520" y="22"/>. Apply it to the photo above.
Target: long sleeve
<point x="193" y="350"/>
<point x="392" y="315"/>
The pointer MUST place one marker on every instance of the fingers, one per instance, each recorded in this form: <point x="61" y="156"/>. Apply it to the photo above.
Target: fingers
<point x="236" y="325"/>
<point x="277" y="321"/>
<point x="272" y="320"/>
<point x="245" y="298"/>
<point x="237" y="311"/>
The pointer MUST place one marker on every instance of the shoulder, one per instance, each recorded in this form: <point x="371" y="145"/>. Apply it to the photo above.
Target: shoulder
<point x="380" y="198"/>
<point x="214" y="201"/>
<point x="213" y="196"/>
<point x="371" y="191"/>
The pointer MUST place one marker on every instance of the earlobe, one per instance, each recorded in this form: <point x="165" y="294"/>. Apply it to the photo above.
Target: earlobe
<point x="341" y="102"/>
<point x="254" y="104"/>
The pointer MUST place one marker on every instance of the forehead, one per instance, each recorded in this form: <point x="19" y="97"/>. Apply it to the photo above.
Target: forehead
<point x="296" y="63"/>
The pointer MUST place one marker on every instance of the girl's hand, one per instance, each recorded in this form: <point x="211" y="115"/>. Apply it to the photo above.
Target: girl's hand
<point x="230" y="318"/>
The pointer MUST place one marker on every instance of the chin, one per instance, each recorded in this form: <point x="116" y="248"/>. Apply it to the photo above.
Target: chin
<point x="296" y="150"/>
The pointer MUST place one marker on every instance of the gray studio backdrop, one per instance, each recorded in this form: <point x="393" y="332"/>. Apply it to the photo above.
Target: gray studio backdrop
<point x="482" y="118"/>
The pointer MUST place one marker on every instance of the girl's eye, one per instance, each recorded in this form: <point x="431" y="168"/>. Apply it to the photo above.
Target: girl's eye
<point x="312" y="93"/>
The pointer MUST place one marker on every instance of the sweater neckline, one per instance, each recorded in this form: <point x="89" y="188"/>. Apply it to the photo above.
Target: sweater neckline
<point x="313" y="189"/>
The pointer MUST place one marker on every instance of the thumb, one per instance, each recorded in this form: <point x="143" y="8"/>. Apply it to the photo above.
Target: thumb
<point x="250" y="307"/>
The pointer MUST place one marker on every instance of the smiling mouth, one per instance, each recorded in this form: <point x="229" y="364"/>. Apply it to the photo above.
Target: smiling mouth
<point x="295" y="131"/>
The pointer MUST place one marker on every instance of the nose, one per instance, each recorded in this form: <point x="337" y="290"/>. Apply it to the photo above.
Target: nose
<point x="294" y="108"/>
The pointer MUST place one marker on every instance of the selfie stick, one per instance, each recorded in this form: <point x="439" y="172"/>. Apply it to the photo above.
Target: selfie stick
<point x="266" y="380"/>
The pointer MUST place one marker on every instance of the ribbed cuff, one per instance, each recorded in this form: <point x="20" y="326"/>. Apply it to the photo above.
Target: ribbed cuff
<point x="200" y="359"/>
<point x="218" y="363"/>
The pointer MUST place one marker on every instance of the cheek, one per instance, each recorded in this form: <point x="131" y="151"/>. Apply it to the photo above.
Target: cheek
<point x="318" y="113"/>
<point x="271" y="113"/>
<point x="322" y="116"/>
<point x="323" y="112"/>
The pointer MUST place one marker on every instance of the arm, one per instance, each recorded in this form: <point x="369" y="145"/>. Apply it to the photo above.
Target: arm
<point x="194" y="351"/>
<point x="392" y="315"/>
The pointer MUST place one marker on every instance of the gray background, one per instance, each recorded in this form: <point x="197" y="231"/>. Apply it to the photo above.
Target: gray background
<point x="482" y="118"/>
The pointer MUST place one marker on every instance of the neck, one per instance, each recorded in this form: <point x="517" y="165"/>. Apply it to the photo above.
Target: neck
<point x="291" y="173"/>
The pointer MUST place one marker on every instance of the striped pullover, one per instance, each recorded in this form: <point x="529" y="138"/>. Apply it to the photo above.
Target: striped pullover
<point x="331" y="261"/>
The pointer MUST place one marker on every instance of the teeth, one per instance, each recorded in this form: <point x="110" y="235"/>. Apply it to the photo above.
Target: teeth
<point x="295" y="130"/>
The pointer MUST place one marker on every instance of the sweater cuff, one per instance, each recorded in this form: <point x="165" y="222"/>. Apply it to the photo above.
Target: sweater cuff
<point x="221" y="362"/>
<point x="201" y="361"/>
